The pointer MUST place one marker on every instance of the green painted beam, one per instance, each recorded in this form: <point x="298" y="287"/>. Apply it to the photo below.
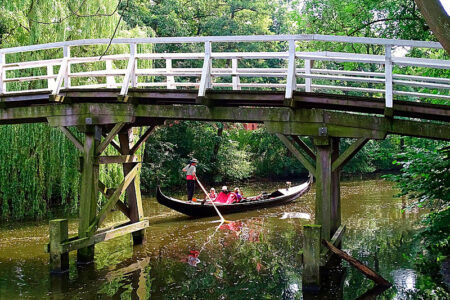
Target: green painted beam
<point x="280" y="119"/>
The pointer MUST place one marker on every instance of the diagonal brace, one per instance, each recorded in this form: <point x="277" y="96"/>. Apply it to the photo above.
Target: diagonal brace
<point x="72" y="138"/>
<point x="108" y="139"/>
<point x="113" y="199"/>
<point x="108" y="193"/>
<point x="142" y="140"/>
<point x="305" y="147"/>
<point x="349" y="153"/>
<point x="305" y="162"/>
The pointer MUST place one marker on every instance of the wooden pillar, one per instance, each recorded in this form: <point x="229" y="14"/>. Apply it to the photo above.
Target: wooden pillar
<point x="89" y="191"/>
<point x="59" y="232"/>
<point x="335" y="189"/>
<point x="323" y="185"/>
<point x="133" y="190"/>
<point x="311" y="257"/>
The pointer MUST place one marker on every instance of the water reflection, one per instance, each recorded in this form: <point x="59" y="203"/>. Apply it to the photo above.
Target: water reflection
<point x="256" y="256"/>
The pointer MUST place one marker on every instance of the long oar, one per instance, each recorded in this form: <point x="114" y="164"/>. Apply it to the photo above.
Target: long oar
<point x="207" y="195"/>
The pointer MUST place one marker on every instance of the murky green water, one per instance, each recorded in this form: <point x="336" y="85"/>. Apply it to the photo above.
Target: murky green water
<point x="256" y="257"/>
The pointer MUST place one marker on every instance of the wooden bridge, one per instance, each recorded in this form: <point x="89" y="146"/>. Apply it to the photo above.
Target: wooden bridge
<point x="300" y="94"/>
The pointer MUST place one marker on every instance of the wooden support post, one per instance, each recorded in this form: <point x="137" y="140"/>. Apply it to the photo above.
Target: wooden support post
<point x="89" y="189"/>
<point x="59" y="233"/>
<point x="66" y="54"/>
<point x="311" y="257"/>
<point x="323" y="186"/>
<point x="335" y="189"/>
<point x="133" y="190"/>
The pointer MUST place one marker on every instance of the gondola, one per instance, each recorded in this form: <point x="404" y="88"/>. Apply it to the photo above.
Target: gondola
<point x="198" y="210"/>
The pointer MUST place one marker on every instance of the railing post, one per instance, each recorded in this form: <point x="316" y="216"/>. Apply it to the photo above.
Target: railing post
<point x="129" y="75"/>
<point x="133" y="52"/>
<point x="205" y="81"/>
<point x="170" y="79"/>
<point x="66" y="54"/>
<point x="234" y="74"/>
<point x="388" y="110"/>
<point x="291" y="83"/>
<point x="2" y="83"/>
<point x="110" y="81"/>
<point x="308" y="65"/>
<point x="51" y="81"/>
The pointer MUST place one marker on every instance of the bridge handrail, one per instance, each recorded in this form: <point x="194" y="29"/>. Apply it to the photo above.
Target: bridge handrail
<point x="229" y="39"/>
<point x="207" y="72"/>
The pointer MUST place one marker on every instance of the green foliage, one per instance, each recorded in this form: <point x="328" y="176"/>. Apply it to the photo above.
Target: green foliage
<point x="170" y="147"/>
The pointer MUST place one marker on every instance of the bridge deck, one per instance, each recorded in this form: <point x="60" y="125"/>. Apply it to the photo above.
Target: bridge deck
<point x="351" y="116"/>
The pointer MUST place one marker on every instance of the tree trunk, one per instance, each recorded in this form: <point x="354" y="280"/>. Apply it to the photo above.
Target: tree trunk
<point x="438" y="20"/>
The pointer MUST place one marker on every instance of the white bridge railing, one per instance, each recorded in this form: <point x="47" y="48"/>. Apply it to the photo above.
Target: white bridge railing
<point x="330" y="77"/>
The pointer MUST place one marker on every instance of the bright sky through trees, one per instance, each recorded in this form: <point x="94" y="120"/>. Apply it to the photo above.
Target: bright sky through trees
<point x="446" y="5"/>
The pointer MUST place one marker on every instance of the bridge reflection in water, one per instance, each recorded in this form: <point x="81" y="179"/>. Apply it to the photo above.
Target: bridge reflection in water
<point x="301" y="94"/>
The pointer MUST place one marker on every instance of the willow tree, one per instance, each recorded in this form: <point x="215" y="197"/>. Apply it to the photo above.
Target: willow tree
<point x="39" y="166"/>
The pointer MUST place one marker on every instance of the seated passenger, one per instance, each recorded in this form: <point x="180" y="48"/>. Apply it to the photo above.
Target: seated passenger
<point x="223" y="195"/>
<point x="238" y="193"/>
<point x="212" y="194"/>
<point x="232" y="198"/>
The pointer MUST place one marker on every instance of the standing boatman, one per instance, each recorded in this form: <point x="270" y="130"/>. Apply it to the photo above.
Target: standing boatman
<point x="191" y="177"/>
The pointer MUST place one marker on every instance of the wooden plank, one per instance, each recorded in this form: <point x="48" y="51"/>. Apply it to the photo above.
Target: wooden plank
<point x="113" y="200"/>
<point x="118" y="159"/>
<point x="109" y="137"/>
<point x="368" y="272"/>
<point x="304" y="161"/>
<point x="349" y="153"/>
<point x="77" y="243"/>
<point x="305" y="147"/>
<point x="72" y="138"/>
<point x="142" y="140"/>
<point x="108" y="193"/>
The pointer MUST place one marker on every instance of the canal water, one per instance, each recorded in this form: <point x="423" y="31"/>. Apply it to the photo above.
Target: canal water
<point x="257" y="256"/>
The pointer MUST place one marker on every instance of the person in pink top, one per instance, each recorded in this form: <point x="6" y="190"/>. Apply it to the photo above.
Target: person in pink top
<point x="223" y="195"/>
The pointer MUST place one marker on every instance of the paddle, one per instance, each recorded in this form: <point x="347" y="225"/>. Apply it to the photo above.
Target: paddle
<point x="207" y="195"/>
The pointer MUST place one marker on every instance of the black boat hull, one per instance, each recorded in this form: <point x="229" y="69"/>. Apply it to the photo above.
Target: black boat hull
<point x="196" y="209"/>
